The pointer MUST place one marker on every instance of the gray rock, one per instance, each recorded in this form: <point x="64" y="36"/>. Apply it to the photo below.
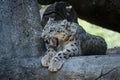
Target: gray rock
<point x="21" y="49"/>
<point x="104" y="67"/>
<point x="20" y="43"/>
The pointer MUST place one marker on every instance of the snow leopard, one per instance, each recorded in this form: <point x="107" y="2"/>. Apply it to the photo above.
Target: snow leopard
<point x="64" y="39"/>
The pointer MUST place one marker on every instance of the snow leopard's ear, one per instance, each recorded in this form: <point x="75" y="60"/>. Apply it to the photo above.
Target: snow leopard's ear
<point x="64" y="22"/>
<point x="50" y="20"/>
<point x="73" y="27"/>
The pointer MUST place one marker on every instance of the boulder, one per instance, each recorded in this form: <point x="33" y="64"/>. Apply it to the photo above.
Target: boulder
<point x="104" y="67"/>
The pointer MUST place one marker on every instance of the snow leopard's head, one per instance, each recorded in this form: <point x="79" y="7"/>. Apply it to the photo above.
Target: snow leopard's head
<point x="56" y="32"/>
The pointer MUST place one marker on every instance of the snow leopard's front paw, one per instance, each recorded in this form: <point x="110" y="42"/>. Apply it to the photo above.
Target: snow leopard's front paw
<point x="45" y="61"/>
<point x="55" y="64"/>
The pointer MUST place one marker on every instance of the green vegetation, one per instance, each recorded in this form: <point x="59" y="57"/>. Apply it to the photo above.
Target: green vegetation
<point x="112" y="38"/>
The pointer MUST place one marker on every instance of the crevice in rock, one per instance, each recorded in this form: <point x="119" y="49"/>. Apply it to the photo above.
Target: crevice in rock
<point x="104" y="74"/>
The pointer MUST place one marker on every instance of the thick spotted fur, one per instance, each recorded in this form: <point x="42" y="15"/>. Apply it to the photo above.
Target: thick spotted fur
<point x="65" y="39"/>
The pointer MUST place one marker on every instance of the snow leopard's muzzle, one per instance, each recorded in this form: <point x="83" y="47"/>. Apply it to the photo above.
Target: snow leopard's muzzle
<point x="51" y="42"/>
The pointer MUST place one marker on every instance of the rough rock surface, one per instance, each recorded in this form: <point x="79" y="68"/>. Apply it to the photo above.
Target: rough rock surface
<point x="90" y="68"/>
<point x="20" y="44"/>
<point x="21" y="49"/>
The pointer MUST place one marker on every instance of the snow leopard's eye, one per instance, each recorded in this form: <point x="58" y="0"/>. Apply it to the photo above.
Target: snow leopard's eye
<point x="58" y="31"/>
<point x="51" y="30"/>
